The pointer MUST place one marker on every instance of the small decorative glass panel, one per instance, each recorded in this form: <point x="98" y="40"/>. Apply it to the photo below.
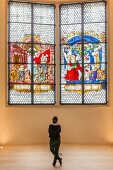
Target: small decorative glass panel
<point x="31" y="60"/>
<point x="83" y="59"/>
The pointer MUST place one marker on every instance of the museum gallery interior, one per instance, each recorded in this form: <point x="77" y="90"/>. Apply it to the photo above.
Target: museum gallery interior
<point x="56" y="60"/>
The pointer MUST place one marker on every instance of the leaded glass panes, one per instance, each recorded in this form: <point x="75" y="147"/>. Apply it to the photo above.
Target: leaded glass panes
<point x="83" y="53"/>
<point x="43" y="14"/>
<point x="71" y="14"/>
<point x="19" y="53"/>
<point x="20" y="12"/>
<point x="72" y="92"/>
<point x="19" y="93"/>
<point x="31" y="61"/>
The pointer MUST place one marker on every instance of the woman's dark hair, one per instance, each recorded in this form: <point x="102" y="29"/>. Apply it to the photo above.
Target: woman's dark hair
<point x="55" y="119"/>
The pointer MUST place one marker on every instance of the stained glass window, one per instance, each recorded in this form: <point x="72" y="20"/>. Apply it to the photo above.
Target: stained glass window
<point x="83" y="48"/>
<point x="31" y="60"/>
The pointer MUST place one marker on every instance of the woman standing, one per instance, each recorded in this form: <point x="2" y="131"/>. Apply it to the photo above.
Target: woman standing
<point x="54" y="135"/>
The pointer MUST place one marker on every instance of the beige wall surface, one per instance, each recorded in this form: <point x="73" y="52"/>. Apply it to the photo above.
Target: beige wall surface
<point x="29" y="124"/>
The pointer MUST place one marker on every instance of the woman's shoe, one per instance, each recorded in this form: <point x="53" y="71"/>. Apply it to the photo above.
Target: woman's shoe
<point x="54" y="163"/>
<point x="60" y="161"/>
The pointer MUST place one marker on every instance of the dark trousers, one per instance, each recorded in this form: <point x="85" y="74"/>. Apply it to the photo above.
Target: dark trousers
<point x="54" y="148"/>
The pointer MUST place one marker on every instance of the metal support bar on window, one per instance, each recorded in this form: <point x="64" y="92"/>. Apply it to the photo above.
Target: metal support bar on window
<point x="84" y="1"/>
<point x="82" y="15"/>
<point x="106" y="53"/>
<point x="32" y="54"/>
<point x="23" y="1"/>
<point x="8" y="56"/>
<point x="60" y="49"/>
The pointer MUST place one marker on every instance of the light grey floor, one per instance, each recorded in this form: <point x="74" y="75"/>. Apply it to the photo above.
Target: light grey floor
<point x="39" y="158"/>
